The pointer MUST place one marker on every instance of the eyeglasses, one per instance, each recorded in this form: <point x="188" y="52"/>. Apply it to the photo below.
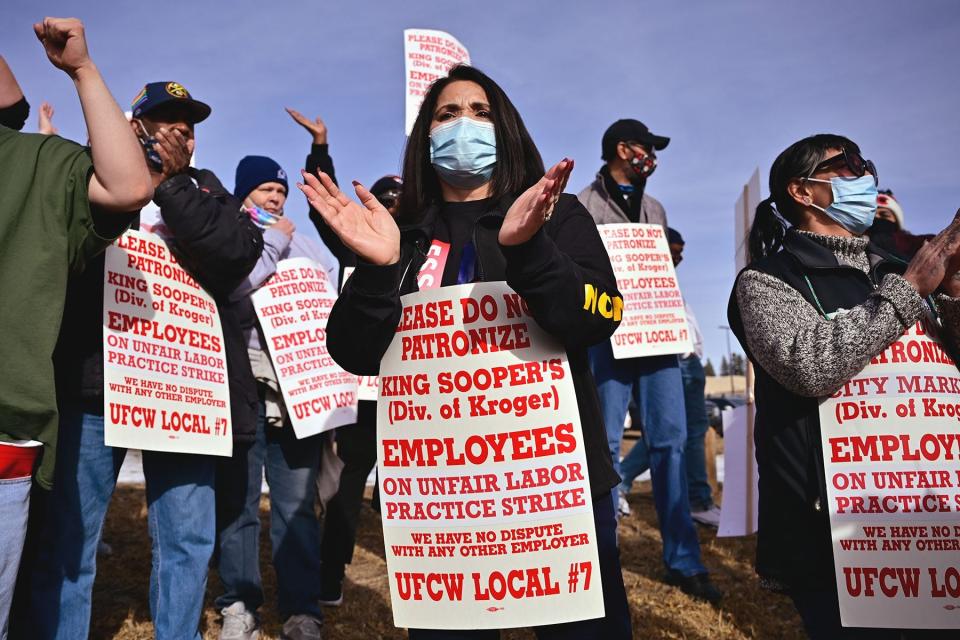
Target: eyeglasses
<point x="852" y="160"/>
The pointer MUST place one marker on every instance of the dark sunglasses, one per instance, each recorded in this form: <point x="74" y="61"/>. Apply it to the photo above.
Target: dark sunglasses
<point x="853" y="161"/>
<point x="389" y="199"/>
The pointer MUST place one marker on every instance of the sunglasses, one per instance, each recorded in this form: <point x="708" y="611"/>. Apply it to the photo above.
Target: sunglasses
<point x="389" y="199"/>
<point x="852" y="160"/>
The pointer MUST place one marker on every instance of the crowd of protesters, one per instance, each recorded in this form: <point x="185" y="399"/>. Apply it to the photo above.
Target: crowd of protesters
<point x="472" y="177"/>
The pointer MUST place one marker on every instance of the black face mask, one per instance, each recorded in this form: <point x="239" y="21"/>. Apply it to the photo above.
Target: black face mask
<point x="642" y="168"/>
<point x="882" y="227"/>
<point x="15" y="116"/>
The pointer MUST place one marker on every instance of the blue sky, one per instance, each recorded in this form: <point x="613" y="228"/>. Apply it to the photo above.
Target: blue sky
<point x="732" y="83"/>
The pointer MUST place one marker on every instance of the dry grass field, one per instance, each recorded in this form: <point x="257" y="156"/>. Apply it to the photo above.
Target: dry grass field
<point x="121" y="611"/>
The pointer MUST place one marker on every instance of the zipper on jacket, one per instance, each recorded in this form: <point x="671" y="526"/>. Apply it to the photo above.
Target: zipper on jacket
<point x="417" y="249"/>
<point x="478" y="276"/>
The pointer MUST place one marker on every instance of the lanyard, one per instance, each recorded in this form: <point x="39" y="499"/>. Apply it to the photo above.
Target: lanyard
<point x="431" y="273"/>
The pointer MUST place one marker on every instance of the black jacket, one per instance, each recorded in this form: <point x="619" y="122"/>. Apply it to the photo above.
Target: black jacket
<point x="550" y="272"/>
<point x="219" y="246"/>
<point x="794" y="547"/>
<point x="319" y="158"/>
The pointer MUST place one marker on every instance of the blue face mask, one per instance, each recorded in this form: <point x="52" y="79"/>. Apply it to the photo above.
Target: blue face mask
<point x="464" y="152"/>
<point x="854" y="202"/>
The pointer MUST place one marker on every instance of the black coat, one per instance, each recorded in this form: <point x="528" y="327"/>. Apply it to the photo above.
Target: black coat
<point x="550" y="271"/>
<point x="218" y="245"/>
<point x="794" y="547"/>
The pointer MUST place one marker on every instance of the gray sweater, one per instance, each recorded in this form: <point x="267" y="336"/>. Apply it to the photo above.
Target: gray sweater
<point x="813" y="356"/>
<point x="604" y="210"/>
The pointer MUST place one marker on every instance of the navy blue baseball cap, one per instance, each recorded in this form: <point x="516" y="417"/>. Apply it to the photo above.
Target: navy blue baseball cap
<point x="155" y="94"/>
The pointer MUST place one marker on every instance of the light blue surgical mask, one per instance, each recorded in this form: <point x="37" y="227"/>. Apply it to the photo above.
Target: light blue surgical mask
<point x="854" y="202"/>
<point x="464" y="152"/>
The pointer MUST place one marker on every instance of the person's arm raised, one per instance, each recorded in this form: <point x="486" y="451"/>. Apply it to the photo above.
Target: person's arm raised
<point x="10" y="92"/>
<point x="120" y="182"/>
<point x="316" y="128"/>
<point x="45" y="120"/>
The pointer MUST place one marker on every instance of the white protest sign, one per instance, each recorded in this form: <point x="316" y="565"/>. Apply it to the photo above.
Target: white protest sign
<point x="366" y="385"/>
<point x="293" y="307"/>
<point x="164" y="366"/>
<point x="486" y="507"/>
<point x="654" y="322"/>
<point x="743" y="213"/>
<point x="738" y="513"/>
<point x="891" y="450"/>
<point x="427" y="55"/>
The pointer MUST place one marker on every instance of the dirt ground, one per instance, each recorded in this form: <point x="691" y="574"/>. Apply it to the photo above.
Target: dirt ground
<point x="121" y="611"/>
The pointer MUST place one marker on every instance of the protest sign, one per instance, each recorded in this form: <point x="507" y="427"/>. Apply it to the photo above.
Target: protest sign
<point x="427" y="55"/>
<point x="428" y="277"/>
<point x="486" y="507"/>
<point x="738" y="513"/>
<point x="891" y="446"/>
<point x="293" y="307"/>
<point x="743" y="212"/>
<point x="653" y="322"/>
<point x="164" y="366"/>
<point x="366" y="385"/>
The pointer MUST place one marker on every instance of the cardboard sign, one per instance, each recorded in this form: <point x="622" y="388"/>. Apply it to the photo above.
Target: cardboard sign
<point x="486" y="507"/>
<point x="366" y="385"/>
<point x="427" y="55"/>
<point x="164" y="366"/>
<point x="891" y="450"/>
<point x="739" y="515"/>
<point x="654" y="321"/>
<point x="293" y="307"/>
<point x="743" y="213"/>
<point x="428" y="277"/>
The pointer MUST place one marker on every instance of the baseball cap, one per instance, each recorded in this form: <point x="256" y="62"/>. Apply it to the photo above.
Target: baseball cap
<point x="628" y="130"/>
<point x="155" y="94"/>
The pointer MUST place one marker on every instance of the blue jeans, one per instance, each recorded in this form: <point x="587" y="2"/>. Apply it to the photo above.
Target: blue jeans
<point x="638" y="459"/>
<point x="180" y="520"/>
<point x="291" y="467"/>
<point x="614" y="625"/>
<point x="656" y="387"/>
<point x="14" y="508"/>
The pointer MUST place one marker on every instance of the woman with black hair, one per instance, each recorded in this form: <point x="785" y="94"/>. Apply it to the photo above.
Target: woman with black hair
<point x="473" y="179"/>
<point x="816" y="303"/>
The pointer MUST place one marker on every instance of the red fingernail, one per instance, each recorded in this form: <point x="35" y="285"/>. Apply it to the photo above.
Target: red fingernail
<point x="355" y="183"/>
